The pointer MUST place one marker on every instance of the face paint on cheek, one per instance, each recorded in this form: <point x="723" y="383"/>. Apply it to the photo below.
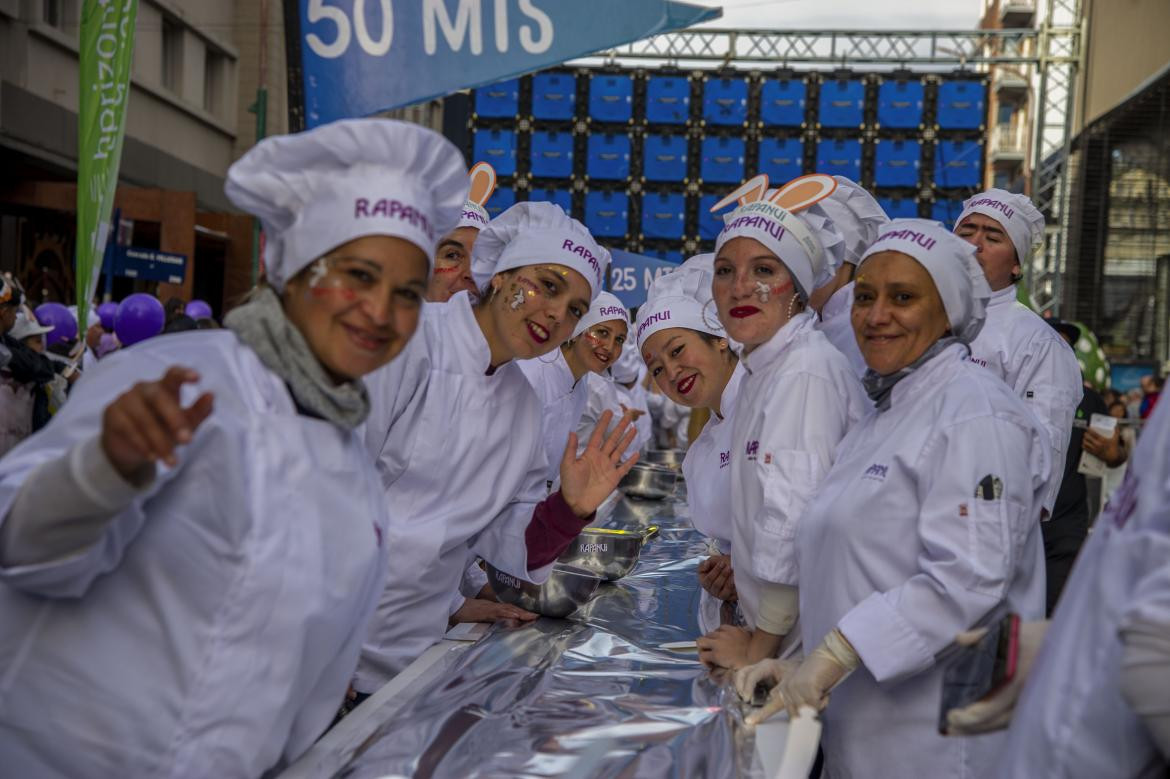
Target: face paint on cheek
<point x="780" y="289"/>
<point x="517" y="299"/>
<point x="763" y="292"/>
<point x="348" y="295"/>
<point x="447" y="270"/>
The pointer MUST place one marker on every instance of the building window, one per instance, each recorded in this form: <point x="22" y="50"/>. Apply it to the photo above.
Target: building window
<point x="214" y="75"/>
<point x="1006" y="111"/>
<point x="172" y="55"/>
<point x="53" y="13"/>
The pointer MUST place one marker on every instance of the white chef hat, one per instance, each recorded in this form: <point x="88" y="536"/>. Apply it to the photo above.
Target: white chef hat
<point x="533" y="233"/>
<point x="1020" y="218"/>
<point x="628" y="367"/>
<point x="769" y="216"/>
<point x="681" y="298"/>
<point x="483" y="184"/>
<point x="856" y="217"/>
<point x="952" y="266"/>
<point x="604" y="308"/>
<point x="316" y="190"/>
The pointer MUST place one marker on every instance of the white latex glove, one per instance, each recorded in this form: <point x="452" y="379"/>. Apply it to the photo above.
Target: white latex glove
<point x="994" y="712"/>
<point x="810" y="683"/>
<point x="767" y="672"/>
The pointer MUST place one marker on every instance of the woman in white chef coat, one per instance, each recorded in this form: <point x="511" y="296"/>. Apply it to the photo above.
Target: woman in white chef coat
<point x="926" y="525"/>
<point x="452" y="272"/>
<point x="189" y="559"/>
<point x="689" y="358"/>
<point x="456" y="430"/>
<point x="561" y="377"/>
<point x="1018" y="346"/>
<point x="796" y="401"/>
<point x="1096" y="697"/>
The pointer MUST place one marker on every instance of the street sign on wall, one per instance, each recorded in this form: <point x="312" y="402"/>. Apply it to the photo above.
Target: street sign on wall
<point x="149" y="264"/>
<point x="349" y="58"/>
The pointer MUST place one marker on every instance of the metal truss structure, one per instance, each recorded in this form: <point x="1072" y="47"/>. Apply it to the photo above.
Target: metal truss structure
<point x="1049" y="54"/>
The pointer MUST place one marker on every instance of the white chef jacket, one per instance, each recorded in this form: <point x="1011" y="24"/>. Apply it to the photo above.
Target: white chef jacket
<point x="1072" y="720"/>
<point x="634" y="398"/>
<point x="462" y="464"/>
<point x="601" y="395"/>
<point x="837" y="325"/>
<point x="213" y="628"/>
<point x="898" y="552"/>
<point x="707" y="470"/>
<point x="795" y="404"/>
<point x="1023" y="350"/>
<point x="563" y="398"/>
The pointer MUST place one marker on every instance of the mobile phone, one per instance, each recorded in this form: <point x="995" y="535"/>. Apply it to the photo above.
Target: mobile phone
<point x="980" y="670"/>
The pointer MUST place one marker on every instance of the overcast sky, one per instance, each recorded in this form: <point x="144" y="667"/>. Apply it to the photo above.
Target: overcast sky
<point x="847" y="14"/>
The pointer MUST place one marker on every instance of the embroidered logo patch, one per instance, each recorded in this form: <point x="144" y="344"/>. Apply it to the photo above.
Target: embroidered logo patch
<point x="876" y="472"/>
<point x="753" y="449"/>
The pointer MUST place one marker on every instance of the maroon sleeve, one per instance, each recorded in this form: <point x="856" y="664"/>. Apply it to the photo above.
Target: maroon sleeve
<point x="552" y="529"/>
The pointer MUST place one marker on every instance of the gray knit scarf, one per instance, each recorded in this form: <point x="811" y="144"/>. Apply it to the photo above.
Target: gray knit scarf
<point x="879" y="387"/>
<point x="261" y="324"/>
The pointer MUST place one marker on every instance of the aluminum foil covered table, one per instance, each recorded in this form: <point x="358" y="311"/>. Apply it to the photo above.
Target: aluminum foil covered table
<point x="593" y="695"/>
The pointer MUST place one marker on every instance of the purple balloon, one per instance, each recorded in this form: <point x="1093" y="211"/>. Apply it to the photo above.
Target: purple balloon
<point x="198" y="309"/>
<point x="58" y="317"/>
<point x="107" y="312"/>
<point x="139" y="317"/>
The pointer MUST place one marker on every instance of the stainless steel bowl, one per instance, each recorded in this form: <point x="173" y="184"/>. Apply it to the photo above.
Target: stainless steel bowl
<point x="671" y="458"/>
<point x="649" y="481"/>
<point x="611" y="554"/>
<point x="566" y="590"/>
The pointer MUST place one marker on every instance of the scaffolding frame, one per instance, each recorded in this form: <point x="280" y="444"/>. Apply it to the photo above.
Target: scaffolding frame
<point x="1052" y="50"/>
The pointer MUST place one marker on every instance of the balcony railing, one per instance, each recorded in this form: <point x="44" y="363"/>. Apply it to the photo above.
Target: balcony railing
<point x="1009" y="142"/>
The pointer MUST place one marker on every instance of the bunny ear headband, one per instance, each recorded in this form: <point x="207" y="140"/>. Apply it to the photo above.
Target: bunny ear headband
<point x="483" y="184"/>
<point x="770" y="219"/>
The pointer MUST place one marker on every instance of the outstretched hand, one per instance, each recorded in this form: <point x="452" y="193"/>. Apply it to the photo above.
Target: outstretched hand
<point x="146" y="423"/>
<point x="586" y="481"/>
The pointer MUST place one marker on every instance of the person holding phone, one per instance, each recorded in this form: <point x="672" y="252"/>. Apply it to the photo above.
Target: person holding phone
<point x="924" y="526"/>
<point x="1095" y="681"/>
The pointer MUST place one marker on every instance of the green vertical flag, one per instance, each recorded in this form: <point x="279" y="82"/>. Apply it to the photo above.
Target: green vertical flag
<point x="107" y="46"/>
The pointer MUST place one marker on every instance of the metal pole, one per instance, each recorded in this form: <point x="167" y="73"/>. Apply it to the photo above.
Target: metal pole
<point x="260" y="108"/>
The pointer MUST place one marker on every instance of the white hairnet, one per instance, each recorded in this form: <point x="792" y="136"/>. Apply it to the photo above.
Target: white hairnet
<point x="952" y="266"/>
<point x="1020" y="218"/>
